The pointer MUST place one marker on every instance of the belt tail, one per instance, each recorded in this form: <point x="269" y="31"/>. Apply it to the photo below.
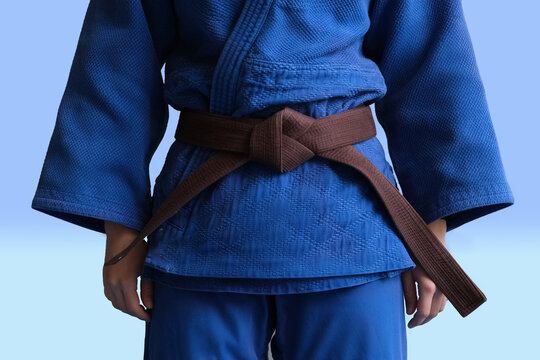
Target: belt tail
<point x="421" y="243"/>
<point x="217" y="166"/>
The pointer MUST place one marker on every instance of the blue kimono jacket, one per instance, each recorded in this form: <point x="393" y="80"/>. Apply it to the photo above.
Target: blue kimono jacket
<point x="318" y="226"/>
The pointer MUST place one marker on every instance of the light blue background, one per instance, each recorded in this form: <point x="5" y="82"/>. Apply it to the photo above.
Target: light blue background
<point x="51" y="296"/>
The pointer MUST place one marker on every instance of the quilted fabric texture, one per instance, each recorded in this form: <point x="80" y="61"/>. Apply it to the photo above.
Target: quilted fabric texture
<point x="318" y="226"/>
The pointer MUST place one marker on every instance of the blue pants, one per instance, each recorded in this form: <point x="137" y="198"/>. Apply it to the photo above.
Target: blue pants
<point x="359" y="322"/>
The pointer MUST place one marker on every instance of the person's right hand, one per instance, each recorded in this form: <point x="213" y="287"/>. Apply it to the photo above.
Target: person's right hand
<point x="120" y="279"/>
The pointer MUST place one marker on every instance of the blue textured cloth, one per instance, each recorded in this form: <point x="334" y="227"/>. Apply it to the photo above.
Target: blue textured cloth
<point x="412" y="59"/>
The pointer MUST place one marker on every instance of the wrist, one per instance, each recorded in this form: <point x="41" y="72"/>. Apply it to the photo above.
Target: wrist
<point x="118" y="236"/>
<point x="113" y="229"/>
<point x="438" y="227"/>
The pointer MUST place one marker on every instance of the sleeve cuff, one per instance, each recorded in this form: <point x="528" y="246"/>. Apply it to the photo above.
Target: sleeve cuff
<point x="86" y="211"/>
<point x="461" y="207"/>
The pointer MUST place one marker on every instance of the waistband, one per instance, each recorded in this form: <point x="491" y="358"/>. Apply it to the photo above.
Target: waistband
<point x="285" y="140"/>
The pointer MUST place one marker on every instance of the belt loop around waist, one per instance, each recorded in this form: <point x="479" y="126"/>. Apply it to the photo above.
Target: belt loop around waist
<point x="285" y="140"/>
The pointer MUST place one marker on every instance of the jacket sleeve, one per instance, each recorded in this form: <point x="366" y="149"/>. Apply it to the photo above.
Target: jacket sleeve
<point x="111" y="118"/>
<point x="440" y="135"/>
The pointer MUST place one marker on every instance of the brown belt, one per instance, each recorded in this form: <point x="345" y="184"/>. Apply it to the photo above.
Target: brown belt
<point x="285" y="140"/>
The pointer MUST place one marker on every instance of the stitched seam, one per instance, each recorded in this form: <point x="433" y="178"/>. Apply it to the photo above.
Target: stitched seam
<point x="477" y="202"/>
<point x="87" y="206"/>
<point x="261" y="63"/>
<point x="464" y="196"/>
<point x="53" y="191"/>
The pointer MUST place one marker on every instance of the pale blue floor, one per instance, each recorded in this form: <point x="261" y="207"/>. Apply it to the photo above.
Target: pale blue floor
<point x="54" y="307"/>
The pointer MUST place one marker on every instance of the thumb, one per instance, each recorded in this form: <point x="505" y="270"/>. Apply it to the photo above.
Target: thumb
<point x="147" y="293"/>
<point x="409" y="291"/>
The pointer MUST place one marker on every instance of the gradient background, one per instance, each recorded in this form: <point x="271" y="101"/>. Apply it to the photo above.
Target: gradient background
<point x="52" y="295"/>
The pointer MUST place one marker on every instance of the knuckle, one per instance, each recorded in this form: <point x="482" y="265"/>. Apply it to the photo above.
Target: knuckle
<point x="429" y="286"/>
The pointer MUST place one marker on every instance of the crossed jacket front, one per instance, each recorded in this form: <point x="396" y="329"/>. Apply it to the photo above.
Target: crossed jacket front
<point x="412" y="60"/>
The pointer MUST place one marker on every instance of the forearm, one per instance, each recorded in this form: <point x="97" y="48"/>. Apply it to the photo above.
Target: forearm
<point x="439" y="229"/>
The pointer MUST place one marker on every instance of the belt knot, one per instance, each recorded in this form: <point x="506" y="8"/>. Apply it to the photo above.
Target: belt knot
<point x="277" y="140"/>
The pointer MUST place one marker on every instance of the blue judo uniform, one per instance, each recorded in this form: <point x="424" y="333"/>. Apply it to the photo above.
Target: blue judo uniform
<point x="319" y="227"/>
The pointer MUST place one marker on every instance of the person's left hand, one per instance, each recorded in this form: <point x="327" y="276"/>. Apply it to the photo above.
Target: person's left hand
<point x="431" y="300"/>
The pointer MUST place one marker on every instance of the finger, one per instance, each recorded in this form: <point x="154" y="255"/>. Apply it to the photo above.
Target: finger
<point x="435" y="306"/>
<point x="426" y="290"/>
<point x="107" y="292"/>
<point x="133" y="305"/>
<point x="409" y="291"/>
<point x="147" y="293"/>
<point x="443" y="303"/>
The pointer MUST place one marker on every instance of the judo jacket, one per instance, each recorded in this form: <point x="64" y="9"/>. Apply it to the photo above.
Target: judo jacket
<point x="412" y="60"/>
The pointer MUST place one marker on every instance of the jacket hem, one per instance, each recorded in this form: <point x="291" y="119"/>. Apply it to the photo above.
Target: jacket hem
<point x="326" y="271"/>
<point x="269" y="286"/>
<point x="76" y="209"/>
<point x="468" y="205"/>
